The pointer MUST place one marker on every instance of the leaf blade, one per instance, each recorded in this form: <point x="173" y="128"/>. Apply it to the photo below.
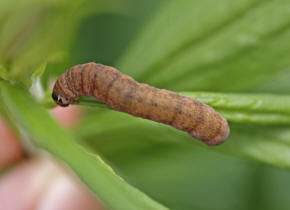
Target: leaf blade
<point x="258" y="122"/>
<point x="114" y="191"/>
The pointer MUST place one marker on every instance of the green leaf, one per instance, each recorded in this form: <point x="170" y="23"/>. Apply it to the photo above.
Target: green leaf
<point x="267" y="144"/>
<point x="38" y="72"/>
<point x="36" y="88"/>
<point x="3" y="73"/>
<point x="34" y="32"/>
<point x="44" y="131"/>
<point x="258" y="122"/>
<point x="47" y="100"/>
<point x="242" y="108"/>
<point x="90" y="101"/>
<point x="212" y="46"/>
<point x="248" y="108"/>
<point x="222" y="46"/>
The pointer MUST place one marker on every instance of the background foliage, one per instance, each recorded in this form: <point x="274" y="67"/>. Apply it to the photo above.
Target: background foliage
<point x="233" y="55"/>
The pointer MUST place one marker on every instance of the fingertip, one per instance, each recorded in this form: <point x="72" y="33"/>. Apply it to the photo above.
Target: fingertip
<point x="41" y="184"/>
<point x="66" y="193"/>
<point x="68" y="116"/>
<point x="10" y="147"/>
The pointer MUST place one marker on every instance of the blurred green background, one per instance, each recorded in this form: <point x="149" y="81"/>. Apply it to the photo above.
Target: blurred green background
<point x="200" y="45"/>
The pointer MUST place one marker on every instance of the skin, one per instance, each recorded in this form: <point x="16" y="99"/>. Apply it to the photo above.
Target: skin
<point x="124" y="94"/>
<point x="38" y="181"/>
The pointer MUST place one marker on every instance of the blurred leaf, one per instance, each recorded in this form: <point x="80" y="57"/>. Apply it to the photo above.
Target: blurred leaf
<point x="28" y="35"/>
<point x="45" y="132"/>
<point x="3" y="73"/>
<point x="36" y="88"/>
<point x="217" y="46"/>
<point x="201" y="45"/>
<point x="38" y="72"/>
<point x="194" y="173"/>
<point x="33" y="32"/>
<point x="90" y="101"/>
<point x="223" y="46"/>
<point x="47" y="100"/>
<point x="137" y="147"/>
<point x="117" y="30"/>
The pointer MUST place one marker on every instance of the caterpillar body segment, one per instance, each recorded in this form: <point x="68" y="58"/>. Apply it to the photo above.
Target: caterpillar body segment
<point x="124" y="94"/>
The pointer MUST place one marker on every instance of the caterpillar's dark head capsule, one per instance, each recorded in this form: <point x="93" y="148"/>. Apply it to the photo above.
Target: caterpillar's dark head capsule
<point x="60" y="100"/>
<point x="61" y="94"/>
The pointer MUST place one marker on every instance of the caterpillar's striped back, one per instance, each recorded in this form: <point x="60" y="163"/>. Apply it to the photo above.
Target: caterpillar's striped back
<point x="124" y="94"/>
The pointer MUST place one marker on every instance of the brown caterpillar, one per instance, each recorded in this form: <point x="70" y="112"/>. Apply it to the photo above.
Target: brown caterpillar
<point x="124" y="94"/>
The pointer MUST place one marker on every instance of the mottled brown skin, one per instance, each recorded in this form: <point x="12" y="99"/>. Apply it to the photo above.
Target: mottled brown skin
<point x="124" y="94"/>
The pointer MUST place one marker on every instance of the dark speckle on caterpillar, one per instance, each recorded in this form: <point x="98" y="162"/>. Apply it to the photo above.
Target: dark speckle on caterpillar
<point x="124" y="94"/>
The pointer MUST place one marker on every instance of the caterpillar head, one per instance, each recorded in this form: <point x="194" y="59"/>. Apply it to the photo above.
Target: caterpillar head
<point x="61" y="100"/>
<point x="61" y="94"/>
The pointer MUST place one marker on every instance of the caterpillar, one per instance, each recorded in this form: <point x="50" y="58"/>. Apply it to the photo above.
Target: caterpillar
<point x="123" y="93"/>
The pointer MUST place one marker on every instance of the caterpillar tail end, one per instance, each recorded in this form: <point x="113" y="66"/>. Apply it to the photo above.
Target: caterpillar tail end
<point x="218" y="138"/>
